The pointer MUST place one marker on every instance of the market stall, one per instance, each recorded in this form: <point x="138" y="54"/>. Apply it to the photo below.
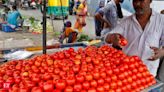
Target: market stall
<point x="77" y="68"/>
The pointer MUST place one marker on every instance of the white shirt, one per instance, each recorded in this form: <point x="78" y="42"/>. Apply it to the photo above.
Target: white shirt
<point x="139" y="41"/>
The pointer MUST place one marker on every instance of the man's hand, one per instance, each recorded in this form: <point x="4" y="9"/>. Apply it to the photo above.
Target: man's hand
<point x="113" y="39"/>
<point x="158" y="53"/>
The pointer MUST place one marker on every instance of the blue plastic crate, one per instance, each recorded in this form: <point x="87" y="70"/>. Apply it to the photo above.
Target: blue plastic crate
<point x="7" y="28"/>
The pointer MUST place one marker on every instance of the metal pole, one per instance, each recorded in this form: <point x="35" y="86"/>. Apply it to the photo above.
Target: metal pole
<point x="62" y="11"/>
<point x="44" y="27"/>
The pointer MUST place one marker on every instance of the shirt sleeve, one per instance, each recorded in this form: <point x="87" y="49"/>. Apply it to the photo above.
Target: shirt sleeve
<point x="162" y="38"/>
<point x="104" y="9"/>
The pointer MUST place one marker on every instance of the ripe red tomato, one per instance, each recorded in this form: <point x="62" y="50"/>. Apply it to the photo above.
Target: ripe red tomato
<point x="68" y="89"/>
<point x="123" y="42"/>
<point x="60" y="84"/>
<point x="79" y="78"/>
<point x="93" y="84"/>
<point x="37" y="89"/>
<point x="77" y="87"/>
<point x="100" y="81"/>
<point x="76" y="68"/>
<point x="23" y="90"/>
<point x="86" y="85"/>
<point x="100" y="89"/>
<point x="113" y="85"/>
<point x="70" y="80"/>
<point x="88" y="77"/>
<point x="119" y="83"/>
<point x="47" y="86"/>
<point x="109" y="72"/>
<point x="96" y="75"/>
<point x="92" y="90"/>
<point x="103" y="74"/>
<point x="106" y="86"/>
<point x="114" y="78"/>
<point x="108" y="79"/>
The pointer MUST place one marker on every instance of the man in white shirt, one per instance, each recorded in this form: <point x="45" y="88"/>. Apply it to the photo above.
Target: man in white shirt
<point x="143" y="30"/>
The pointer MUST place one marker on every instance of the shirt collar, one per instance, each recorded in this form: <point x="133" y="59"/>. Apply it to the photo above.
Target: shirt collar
<point x="151" y="17"/>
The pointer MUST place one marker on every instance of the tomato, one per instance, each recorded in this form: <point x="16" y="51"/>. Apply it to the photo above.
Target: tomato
<point x="103" y="74"/>
<point x="70" y="80"/>
<point x="121" y="76"/>
<point x="88" y="77"/>
<point x="47" y="86"/>
<point x="100" y="89"/>
<point x="113" y="85"/>
<point x="108" y="79"/>
<point x="129" y="79"/>
<point x="116" y="71"/>
<point x="109" y="72"/>
<point x="92" y="90"/>
<point x="30" y="84"/>
<point x="23" y="90"/>
<point x="125" y="81"/>
<point x="96" y="75"/>
<point x="100" y="81"/>
<point x="36" y="78"/>
<point x="93" y="83"/>
<point x="118" y="90"/>
<point x="77" y="87"/>
<point x="114" y="78"/>
<point x="134" y="77"/>
<point x="123" y="42"/>
<point x="106" y="86"/>
<point x="88" y="59"/>
<point x="47" y="76"/>
<point x="57" y="71"/>
<point x="119" y="83"/>
<point x="86" y="85"/>
<point x="60" y="84"/>
<point x="139" y="75"/>
<point x="79" y="78"/>
<point x="76" y="68"/>
<point x="68" y="89"/>
<point x="37" y="89"/>
<point x="134" y="85"/>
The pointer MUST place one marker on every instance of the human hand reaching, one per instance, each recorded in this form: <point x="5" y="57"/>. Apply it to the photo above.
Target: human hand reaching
<point x="158" y="53"/>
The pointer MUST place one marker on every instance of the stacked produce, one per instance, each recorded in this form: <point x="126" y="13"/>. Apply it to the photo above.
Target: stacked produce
<point x="92" y="69"/>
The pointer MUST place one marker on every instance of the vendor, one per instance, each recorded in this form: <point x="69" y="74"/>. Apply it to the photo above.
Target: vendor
<point x="143" y="30"/>
<point x="13" y="16"/>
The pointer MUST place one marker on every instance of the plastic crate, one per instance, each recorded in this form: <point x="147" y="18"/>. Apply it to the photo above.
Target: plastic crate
<point x="7" y="28"/>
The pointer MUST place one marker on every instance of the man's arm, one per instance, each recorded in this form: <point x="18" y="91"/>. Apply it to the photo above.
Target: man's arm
<point x="99" y="17"/>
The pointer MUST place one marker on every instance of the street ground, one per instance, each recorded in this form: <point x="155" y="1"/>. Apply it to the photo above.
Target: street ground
<point x="37" y="38"/>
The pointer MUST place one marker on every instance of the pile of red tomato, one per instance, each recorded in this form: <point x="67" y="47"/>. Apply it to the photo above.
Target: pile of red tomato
<point x="91" y="69"/>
